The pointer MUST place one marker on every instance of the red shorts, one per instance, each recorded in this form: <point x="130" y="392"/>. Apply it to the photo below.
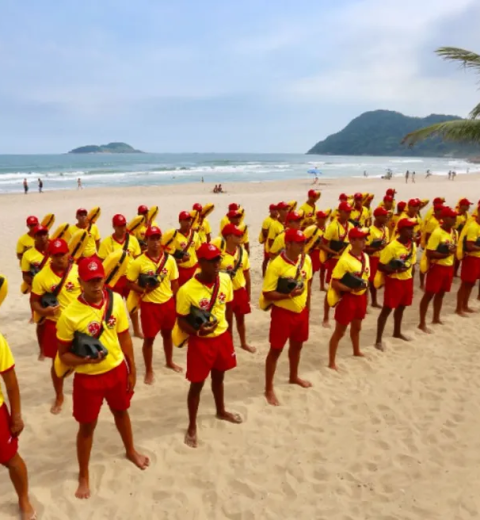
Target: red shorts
<point x="287" y="325"/>
<point x="8" y="444"/>
<point x="398" y="293"/>
<point x="90" y="391"/>
<point x="121" y="287"/>
<point x="185" y="274"/>
<point x="49" y="339"/>
<point x="470" y="269"/>
<point x="439" y="278"/>
<point x="266" y="256"/>
<point x="374" y="261"/>
<point x="240" y="303"/>
<point x="206" y="354"/>
<point x="351" y="307"/>
<point x="315" y="257"/>
<point x="331" y="263"/>
<point x="156" y="317"/>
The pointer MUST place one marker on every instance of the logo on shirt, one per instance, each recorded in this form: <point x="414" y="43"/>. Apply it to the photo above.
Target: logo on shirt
<point x="94" y="328"/>
<point x="69" y="286"/>
<point x="151" y="272"/>
<point x="111" y="322"/>
<point x="204" y="304"/>
<point x="183" y="245"/>
<point x="52" y="288"/>
<point x="222" y="297"/>
<point x="304" y="274"/>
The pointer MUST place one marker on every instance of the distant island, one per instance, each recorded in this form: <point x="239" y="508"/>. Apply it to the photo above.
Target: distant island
<point x="380" y="132"/>
<point x="106" y="148"/>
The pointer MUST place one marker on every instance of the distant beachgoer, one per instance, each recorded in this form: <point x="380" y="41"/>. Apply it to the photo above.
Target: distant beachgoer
<point x="40" y="186"/>
<point x="79" y="184"/>
<point x="365" y="174"/>
<point x="454" y="174"/>
<point x="25" y="186"/>
<point x="202" y="180"/>
<point x="215" y="190"/>
<point x="429" y="174"/>
<point x="450" y="175"/>
<point x="413" y="177"/>
<point x="407" y="175"/>
<point x="220" y="189"/>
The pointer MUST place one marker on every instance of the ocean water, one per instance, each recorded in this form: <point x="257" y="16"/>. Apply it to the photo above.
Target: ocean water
<point x="60" y="172"/>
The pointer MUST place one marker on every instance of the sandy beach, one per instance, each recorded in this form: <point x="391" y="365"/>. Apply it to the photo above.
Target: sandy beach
<point x="393" y="436"/>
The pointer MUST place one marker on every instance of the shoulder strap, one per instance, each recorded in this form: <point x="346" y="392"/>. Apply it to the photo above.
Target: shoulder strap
<point x="161" y="265"/>
<point x="127" y="241"/>
<point x="216" y="290"/>
<point x="107" y="313"/>
<point x="58" y="288"/>
<point x="44" y="261"/>
<point x="190" y="240"/>
<point x="300" y="266"/>
<point x="239" y="262"/>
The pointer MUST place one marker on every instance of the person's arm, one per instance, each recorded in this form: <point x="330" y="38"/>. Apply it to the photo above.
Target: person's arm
<point x="209" y="237"/>
<point x="325" y="246"/>
<point x="204" y="330"/>
<point x="126" y="345"/>
<point x="338" y="286"/>
<point x="309" y="296"/>
<point x="27" y="278"/>
<point x="72" y="360"/>
<point x="471" y="246"/>
<point x="248" y="281"/>
<point x="247" y="247"/>
<point x="133" y="273"/>
<point x="43" y="311"/>
<point x="13" y="392"/>
<point x="175" y="286"/>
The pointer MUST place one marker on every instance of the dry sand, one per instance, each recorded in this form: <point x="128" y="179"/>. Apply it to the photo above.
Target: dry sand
<point x="391" y="436"/>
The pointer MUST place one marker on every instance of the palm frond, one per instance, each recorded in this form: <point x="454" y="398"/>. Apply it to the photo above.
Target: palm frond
<point x="468" y="59"/>
<point x="461" y="130"/>
<point x="475" y="112"/>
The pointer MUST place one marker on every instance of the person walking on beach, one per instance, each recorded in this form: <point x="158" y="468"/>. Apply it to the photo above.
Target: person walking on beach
<point x="407" y="175"/>
<point x="210" y="348"/>
<point x="378" y="238"/>
<point x="413" y="177"/>
<point x="79" y="184"/>
<point x="111" y="378"/>
<point x="25" y="186"/>
<point x="40" y="185"/>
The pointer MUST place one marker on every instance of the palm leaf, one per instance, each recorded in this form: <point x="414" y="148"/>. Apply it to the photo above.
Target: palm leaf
<point x="468" y="59"/>
<point x="461" y="130"/>
<point x="475" y="112"/>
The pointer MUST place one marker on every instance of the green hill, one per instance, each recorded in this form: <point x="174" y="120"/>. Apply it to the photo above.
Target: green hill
<point x="106" y="148"/>
<point x="380" y="133"/>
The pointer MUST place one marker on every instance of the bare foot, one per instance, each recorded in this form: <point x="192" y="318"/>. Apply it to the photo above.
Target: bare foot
<point x="359" y="354"/>
<point x="300" y="382"/>
<point x="401" y="336"/>
<point x="248" y="348"/>
<point x="322" y="289"/>
<point x="470" y="311"/>
<point x="138" y="334"/>
<point x="230" y="417"/>
<point x="333" y="366"/>
<point x="425" y="329"/>
<point x="272" y="398"/>
<point x="41" y="357"/>
<point x="461" y="313"/>
<point x="376" y="306"/>
<point x="191" y="438"/>
<point x="325" y="324"/>
<point x="31" y="320"/>
<point x="57" y="406"/>
<point x="437" y="322"/>
<point x="141" y="461"/>
<point x="26" y="511"/>
<point x="380" y="346"/>
<point x="83" y="490"/>
<point x="174" y="367"/>
<point x="149" y="378"/>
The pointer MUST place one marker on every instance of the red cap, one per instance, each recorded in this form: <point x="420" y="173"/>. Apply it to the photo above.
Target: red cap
<point x="414" y="203"/>
<point x="58" y="247"/>
<point x="197" y="207"/>
<point x="391" y="192"/>
<point x="358" y="196"/>
<point x="438" y="207"/>
<point x="313" y="194"/>
<point x="357" y="233"/>
<point x="345" y="206"/>
<point x="438" y="200"/>
<point x="401" y="205"/>
<point x="32" y="221"/>
<point x="184" y="215"/>
<point x="448" y="212"/>
<point x="282" y="205"/>
<point x="343" y="197"/>
<point x="321" y="214"/>
<point x="406" y="222"/>
<point x="233" y="207"/>
<point x="293" y="216"/>
<point x="142" y="210"/>
<point x="208" y="251"/>
<point x="380" y="212"/>
<point x="119" y="220"/>
<point x="233" y="214"/>
<point x="465" y="202"/>
<point x="388" y="198"/>
<point x="273" y="207"/>
<point x="90" y="268"/>
<point x="153" y="231"/>
<point x="82" y="211"/>
<point x="232" y="229"/>
<point x="40" y="229"/>
<point x="294" y="235"/>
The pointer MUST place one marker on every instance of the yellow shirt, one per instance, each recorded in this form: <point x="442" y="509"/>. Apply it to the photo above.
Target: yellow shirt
<point x="266" y="224"/>
<point x="314" y="238"/>
<point x="180" y="242"/>
<point x="24" y="242"/>
<point x="203" y="229"/>
<point x="110" y="244"/>
<point x="282" y="267"/>
<point x="145" y="265"/>
<point x="139" y="232"/>
<point x="309" y="214"/>
<point x="46" y="281"/>
<point x="196" y="294"/>
<point x="275" y="229"/>
<point x="430" y="225"/>
<point x="440" y="236"/>
<point x="360" y="215"/>
<point x="337" y="231"/>
<point x="229" y="262"/>
<point x="473" y="233"/>
<point x="82" y="317"/>
<point x="461" y="221"/>
<point x="31" y="258"/>
<point x="349" y="263"/>
<point x="398" y="251"/>
<point x="278" y="245"/>
<point x="378" y="234"/>
<point x="92" y="238"/>
<point x="6" y="361"/>
<point x="416" y="229"/>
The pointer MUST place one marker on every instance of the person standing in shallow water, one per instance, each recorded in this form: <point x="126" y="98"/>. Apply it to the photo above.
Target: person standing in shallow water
<point x="25" y="186"/>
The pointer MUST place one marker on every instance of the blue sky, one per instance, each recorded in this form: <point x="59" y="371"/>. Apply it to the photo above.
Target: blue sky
<point x="222" y="76"/>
